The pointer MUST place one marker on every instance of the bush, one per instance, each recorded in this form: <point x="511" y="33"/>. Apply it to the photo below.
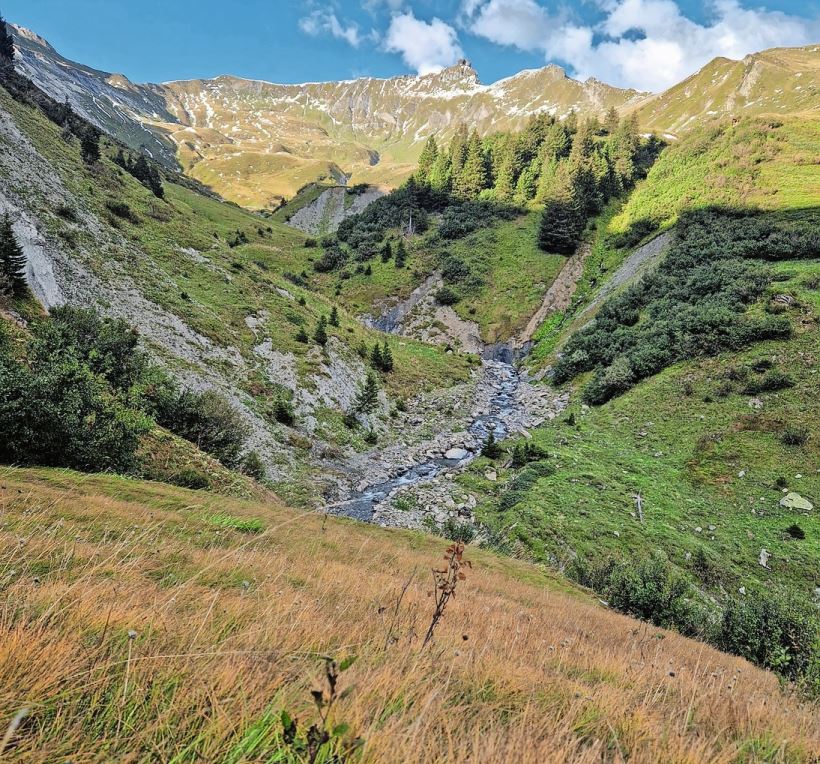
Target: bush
<point x="253" y="466"/>
<point x="770" y="382"/>
<point x="190" y="477"/>
<point x="693" y="304"/>
<point x="649" y="589"/>
<point x="526" y="452"/>
<point x="776" y="630"/>
<point x="58" y="413"/>
<point x="122" y="210"/>
<point x="794" y="436"/>
<point x="454" y="530"/>
<point x="210" y="422"/>
<point x="796" y="532"/>
<point x="446" y="296"/>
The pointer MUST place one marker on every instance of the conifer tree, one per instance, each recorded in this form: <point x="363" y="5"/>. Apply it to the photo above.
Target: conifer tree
<point x="12" y="261"/>
<point x="320" y="335"/>
<point x="562" y="220"/>
<point x="387" y="252"/>
<point x="527" y="183"/>
<point x="440" y="173"/>
<point x="6" y="44"/>
<point x="368" y="396"/>
<point x="428" y="157"/>
<point x="334" y="316"/>
<point x="458" y="153"/>
<point x="571" y="121"/>
<point x="401" y="254"/>
<point x="557" y="142"/>
<point x="505" y="175"/>
<point x="376" y="360"/>
<point x="387" y="357"/>
<point x="546" y="180"/>
<point x="472" y="179"/>
<point x="491" y="449"/>
<point x="90" y="145"/>
<point x="611" y="120"/>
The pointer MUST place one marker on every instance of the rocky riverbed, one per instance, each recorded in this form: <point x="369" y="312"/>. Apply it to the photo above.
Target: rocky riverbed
<point x="412" y="486"/>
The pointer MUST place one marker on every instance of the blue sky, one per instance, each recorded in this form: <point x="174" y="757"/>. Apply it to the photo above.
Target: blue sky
<point x="647" y="44"/>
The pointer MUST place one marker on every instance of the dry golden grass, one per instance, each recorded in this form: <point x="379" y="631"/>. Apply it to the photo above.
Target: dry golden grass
<point x="230" y="626"/>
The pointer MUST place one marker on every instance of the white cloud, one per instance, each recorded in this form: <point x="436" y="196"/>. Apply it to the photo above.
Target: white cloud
<point x="424" y="46"/>
<point x="326" y="22"/>
<point x="644" y="44"/>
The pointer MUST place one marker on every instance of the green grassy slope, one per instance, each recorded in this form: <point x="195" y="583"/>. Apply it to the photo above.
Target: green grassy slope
<point x="708" y="459"/>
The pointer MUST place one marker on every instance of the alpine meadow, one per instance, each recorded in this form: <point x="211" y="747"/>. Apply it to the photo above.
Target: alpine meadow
<point x="411" y="419"/>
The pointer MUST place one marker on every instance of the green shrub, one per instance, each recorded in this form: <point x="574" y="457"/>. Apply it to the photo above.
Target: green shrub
<point x="693" y="304"/>
<point x="189" y="477"/>
<point x="209" y="421"/>
<point x="772" y="381"/>
<point x="650" y="589"/>
<point x="454" y="530"/>
<point x="57" y="412"/>
<point x="777" y="630"/>
<point x="253" y="466"/>
<point x="794" y="436"/>
<point x="446" y="296"/>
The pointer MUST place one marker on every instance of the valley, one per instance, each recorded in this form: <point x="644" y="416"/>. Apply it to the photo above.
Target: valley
<point x="270" y="353"/>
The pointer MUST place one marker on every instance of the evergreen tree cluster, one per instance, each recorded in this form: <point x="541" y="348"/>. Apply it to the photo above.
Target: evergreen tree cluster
<point x="145" y="172"/>
<point x="381" y="357"/>
<point x="12" y="262"/>
<point x="570" y="167"/>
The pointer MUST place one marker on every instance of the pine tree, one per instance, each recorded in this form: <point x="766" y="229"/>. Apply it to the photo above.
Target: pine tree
<point x="440" y="173"/>
<point x="368" y="396"/>
<point x="458" y="153"/>
<point x="401" y="254"/>
<point x="334" y="316"/>
<point x="427" y="159"/>
<point x="473" y="178"/>
<point x="376" y="360"/>
<point x="527" y="183"/>
<point x="12" y="262"/>
<point x="505" y="175"/>
<point x="387" y="358"/>
<point x="302" y="335"/>
<point x="320" y="335"/>
<point x="562" y="221"/>
<point x="546" y="180"/>
<point x="557" y="142"/>
<point x="90" y="145"/>
<point x="387" y="252"/>
<point x="6" y="44"/>
<point x="611" y="120"/>
<point x="491" y="449"/>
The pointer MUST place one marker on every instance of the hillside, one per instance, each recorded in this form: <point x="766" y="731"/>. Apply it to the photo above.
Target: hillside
<point x="781" y="82"/>
<point x="219" y="311"/>
<point x="152" y="622"/>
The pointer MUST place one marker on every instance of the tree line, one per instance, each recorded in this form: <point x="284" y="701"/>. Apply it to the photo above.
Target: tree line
<point x="570" y="166"/>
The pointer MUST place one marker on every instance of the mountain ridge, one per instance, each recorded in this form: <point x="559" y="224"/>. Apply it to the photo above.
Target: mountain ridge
<point x="257" y="143"/>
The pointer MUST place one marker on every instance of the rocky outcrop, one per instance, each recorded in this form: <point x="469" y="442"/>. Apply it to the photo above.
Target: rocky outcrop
<point x="323" y="215"/>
